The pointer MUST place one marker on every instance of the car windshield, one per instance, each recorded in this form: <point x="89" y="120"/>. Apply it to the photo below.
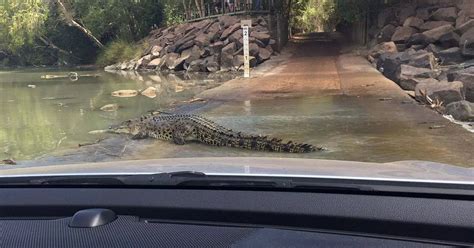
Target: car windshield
<point x="329" y="88"/>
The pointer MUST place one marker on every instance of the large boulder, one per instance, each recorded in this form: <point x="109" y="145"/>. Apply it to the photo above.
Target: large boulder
<point x="202" y="40"/>
<point x="433" y="24"/>
<point x="464" y="27"/>
<point x="461" y="110"/>
<point x="445" y="14"/>
<point x="448" y="40"/>
<point x="192" y="54"/>
<point x="435" y="34"/>
<point x="264" y="37"/>
<point x="467" y="43"/>
<point x="450" y="56"/>
<point x="185" y="46"/>
<point x="216" y="47"/>
<point x="432" y="48"/>
<point x="227" y="56"/>
<point x="446" y="92"/>
<point x="410" y="82"/>
<point x="174" y="61"/>
<point x="196" y="66"/>
<point x="423" y="13"/>
<point x="402" y="34"/>
<point x="465" y="14"/>
<point x="389" y="63"/>
<point x="385" y="47"/>
<point x="154" y="63"/>
<point x="238" y="62"/>
<point x="264" y="54"/>
<point x="253" y="49"/>
<point x="467" y="78"/>
<point x="417" y="39"/>
<point x="155" y="51"/>
<point x="142" y="62"/>
<point x="236" y="38"/>
<point x="229" y="49"/>
<point x="183" y="43"/>
<point x="229" y="31"/>
<point x="413" y="22"/>
<point x="227" y="21"/>
<point x="211" y="64"/>
<point x="408" y="72"/>
<point x="424" y="60"/>
<point x="386" y="33"/>
<point x="405" y="12"/>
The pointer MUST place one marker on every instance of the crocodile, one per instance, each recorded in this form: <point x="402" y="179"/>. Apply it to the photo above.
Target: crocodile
<point x="186" y="128"/>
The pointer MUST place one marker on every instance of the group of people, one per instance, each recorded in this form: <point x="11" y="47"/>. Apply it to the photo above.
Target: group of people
<point x="235" y="5"/>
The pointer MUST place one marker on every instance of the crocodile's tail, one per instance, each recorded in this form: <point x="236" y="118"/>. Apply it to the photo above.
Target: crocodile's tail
<point x="260" y="143"/>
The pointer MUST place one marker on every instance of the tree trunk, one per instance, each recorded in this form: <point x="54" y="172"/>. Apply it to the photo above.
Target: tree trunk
<point x="69" y="19"/>
<point x="187" y="11"/>
<point x="50" y="44"/>
<point x="200" y="7"/>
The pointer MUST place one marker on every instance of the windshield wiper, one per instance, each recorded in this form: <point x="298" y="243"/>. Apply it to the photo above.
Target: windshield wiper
<point x="187" y="179"/>
<point x="200" y="180"/>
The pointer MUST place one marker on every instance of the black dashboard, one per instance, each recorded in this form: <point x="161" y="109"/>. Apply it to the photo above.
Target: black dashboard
<point x="157" y="217"/>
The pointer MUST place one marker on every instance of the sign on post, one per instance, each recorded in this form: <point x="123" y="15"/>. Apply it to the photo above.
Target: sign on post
<point x="246" y="24"/>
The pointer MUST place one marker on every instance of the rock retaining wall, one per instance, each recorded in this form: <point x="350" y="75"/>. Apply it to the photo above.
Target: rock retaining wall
<point x="427" y="46"/>
<point x="205" y="46"/>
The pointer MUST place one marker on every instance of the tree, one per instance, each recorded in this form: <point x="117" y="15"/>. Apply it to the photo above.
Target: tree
<point x="20" y="23"/>
<point x="324" y="15"/>
<point x="68" y="17"/>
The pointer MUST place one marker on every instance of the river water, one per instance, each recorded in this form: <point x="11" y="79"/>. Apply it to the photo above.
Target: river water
<point x="47" y="116"/>
<point x="40" y="116"/>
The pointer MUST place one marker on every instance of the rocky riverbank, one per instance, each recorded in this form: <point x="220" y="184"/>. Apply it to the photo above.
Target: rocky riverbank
<point x="206" y="46"/>
<point x="428" y="47"/>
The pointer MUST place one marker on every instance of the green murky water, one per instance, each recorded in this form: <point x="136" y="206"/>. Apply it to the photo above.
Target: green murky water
<point x="39" y="116"/>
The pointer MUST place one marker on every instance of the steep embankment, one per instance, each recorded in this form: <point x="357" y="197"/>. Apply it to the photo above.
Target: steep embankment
<point x="205" y="46"/>
<point x="428" y="48"/>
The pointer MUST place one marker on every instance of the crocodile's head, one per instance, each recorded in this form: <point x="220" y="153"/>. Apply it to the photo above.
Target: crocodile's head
<point x="126" y="127"/>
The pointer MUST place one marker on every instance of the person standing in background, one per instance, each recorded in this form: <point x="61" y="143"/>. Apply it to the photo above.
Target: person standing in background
<point x="230" y="5"/>
<point x="237" y="6"/>
<point x="217" y="6"/>
<point x="248" y="5"/>
<point x="258" y="4"/>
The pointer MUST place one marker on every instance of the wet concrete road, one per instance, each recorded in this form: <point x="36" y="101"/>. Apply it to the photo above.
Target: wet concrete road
<point x="349" y="107"/>
<point x="312" y="94"/>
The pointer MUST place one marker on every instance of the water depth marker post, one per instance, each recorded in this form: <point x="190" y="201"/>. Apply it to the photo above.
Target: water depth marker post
<point x="246" y="24"/>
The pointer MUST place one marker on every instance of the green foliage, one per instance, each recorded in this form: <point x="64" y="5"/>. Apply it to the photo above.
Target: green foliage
<point x="314" y="15"/>
<point x="324" y="15"/>
<point x="118" y="51"/>
<point x="128" y="20"/>
<point x="173" y="12"/>
<point x="351" y="11"/>
<point x="20" y="22"/>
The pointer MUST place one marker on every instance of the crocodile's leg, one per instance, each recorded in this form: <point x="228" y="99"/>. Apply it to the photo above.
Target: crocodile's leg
<point x="139" y="136"/>
<point x="181" y="133"/>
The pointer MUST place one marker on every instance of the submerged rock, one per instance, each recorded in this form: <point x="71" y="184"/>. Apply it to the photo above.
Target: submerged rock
<point x="149" y="92"/>
<point x="125" y="93"/>
<point x="110" y="107"/>
<point x="461" y="110"/>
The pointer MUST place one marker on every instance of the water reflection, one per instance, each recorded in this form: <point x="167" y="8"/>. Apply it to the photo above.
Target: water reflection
<point x="58" y="113"/>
